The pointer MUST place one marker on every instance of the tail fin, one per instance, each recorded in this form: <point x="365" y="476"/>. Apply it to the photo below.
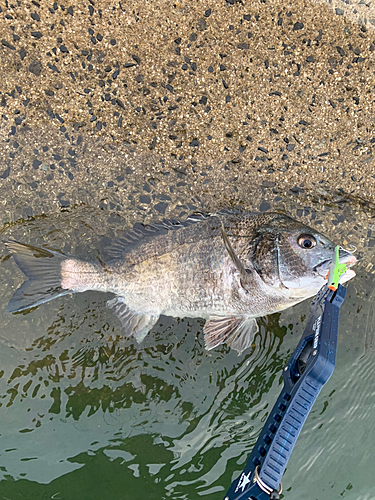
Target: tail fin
<point x="43" y="268"/>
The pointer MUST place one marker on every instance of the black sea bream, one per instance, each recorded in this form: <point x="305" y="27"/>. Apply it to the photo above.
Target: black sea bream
<point x="229" y="268"/>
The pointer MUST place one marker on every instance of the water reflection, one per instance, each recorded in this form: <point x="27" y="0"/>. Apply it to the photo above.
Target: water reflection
<point x="79" y="399"/>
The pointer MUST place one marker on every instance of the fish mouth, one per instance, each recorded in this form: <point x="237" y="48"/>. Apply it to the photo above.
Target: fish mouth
<point x="345" y="257"/>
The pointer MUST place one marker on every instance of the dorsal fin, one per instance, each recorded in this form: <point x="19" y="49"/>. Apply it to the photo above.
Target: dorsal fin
<point x="141" y="231"/>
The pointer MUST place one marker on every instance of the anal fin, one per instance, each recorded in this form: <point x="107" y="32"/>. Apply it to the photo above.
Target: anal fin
<point x="136" y="324"/>
<point x="236" y="331"/>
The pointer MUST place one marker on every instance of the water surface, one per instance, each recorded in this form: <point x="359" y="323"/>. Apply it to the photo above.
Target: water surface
<point x="87" y="414"/>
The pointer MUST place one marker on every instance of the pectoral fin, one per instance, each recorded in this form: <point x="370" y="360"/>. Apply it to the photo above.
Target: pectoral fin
<point x="236" y="331"/>
<point x="245" y="274"/>
<point x="134" y="323"/>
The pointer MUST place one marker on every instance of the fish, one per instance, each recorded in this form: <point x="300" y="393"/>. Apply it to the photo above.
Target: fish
<point x="229" y="268"/>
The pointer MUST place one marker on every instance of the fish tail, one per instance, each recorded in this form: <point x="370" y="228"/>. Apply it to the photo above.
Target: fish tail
<point x="45" y="272"/>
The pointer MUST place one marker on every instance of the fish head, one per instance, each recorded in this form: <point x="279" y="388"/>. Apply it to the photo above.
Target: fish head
<point x="295" y="258"/>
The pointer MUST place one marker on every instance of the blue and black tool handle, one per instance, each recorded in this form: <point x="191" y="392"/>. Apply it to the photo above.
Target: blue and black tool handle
<point x="308" y="369"/>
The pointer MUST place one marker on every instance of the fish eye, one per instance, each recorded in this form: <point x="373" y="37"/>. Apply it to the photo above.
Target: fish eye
<point x="306" y="241"/>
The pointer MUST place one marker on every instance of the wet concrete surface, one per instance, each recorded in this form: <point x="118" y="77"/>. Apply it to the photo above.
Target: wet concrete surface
<point x="120" y="112"/>
<point x="150" y="106"/>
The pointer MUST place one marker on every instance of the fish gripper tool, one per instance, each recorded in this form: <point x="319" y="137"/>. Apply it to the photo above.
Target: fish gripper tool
<point x="309" y="368"/>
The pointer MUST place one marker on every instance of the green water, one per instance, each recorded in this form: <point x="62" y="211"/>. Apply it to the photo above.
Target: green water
<point x="86" y="414"/>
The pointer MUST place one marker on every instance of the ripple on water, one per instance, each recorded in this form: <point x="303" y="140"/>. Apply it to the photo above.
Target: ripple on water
<point x="170" y="412"/>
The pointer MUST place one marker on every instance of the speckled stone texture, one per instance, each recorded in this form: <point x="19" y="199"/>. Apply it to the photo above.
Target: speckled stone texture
<point x="162" y="108"/>
<point x="361" y="12"/>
